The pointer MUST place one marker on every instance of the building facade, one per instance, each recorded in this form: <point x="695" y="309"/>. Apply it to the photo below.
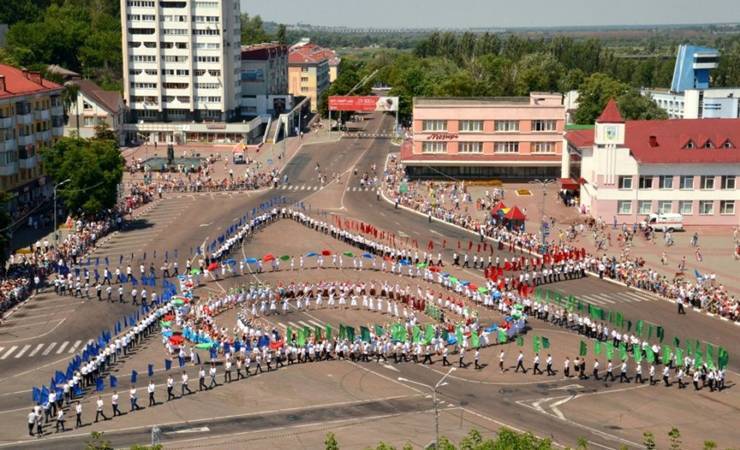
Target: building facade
<point x="264" y="80"/>
<point x="95" y="106"/>
<point x="308" y="72"/>
<point x="31" y="117"/>
<point x="504" y="138"/>
<point x="693" y="67"/>
<point x="181" y="60"/>
<point x="634" y="168"/>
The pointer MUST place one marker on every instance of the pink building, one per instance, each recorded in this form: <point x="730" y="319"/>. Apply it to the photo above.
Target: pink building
<point x="489" y="137"/>
<point x="633" y="168"/>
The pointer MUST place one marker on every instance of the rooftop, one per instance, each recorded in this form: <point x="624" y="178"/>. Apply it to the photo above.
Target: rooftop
<point x="309" y="54"/>
<point x="677" y="141"/>
<point x="21" y="82"/>
<point x="263" y="50"/>
<point x="534" y="99"/>
<point x="109" y="100"/>
<point x="611" y="113"/>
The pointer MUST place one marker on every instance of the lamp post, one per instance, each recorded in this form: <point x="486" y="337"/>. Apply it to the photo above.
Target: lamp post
<point x="56" y="186"/>
<point x="434" y="389"/>
<point x="544" y="184"/>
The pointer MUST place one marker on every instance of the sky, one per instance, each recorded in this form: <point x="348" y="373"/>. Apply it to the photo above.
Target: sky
<point x="492" y="13"/>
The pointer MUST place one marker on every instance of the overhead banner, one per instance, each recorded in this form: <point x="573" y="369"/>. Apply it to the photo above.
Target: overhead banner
<point x="363" y="103"/>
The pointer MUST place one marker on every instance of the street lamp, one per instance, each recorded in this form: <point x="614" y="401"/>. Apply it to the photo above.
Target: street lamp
<point x="544" y="184"/>
<point x="56" y="186"/>
<point x="434" y="389"/>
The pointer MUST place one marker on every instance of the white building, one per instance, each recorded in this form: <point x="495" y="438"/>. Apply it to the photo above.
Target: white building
<point x="181" y="62"/>
<point x="713" y="103"/>
<point x="264" y="80"/>
<point x="94" y="107"/>
<point x="634" y="168"/>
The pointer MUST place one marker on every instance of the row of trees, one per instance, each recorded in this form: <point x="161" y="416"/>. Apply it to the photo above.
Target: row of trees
<point x="253" y="31"/>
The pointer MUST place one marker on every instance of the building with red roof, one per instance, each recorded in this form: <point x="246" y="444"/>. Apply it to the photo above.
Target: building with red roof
<point x="630" y="169"/>
<point x="31" y="117"/>
<point x="309" y="70"/>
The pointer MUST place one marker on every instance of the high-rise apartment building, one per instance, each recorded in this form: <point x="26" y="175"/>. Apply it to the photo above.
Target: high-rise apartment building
<point x="181" y="61"/>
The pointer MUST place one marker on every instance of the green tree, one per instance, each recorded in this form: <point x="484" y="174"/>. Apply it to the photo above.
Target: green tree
<point x="710" y="445"/>
<point x="537" y="72"/>
<point x="594" y="93"/>
<point x="253" y="31"/>
<point x="635" y="106"/>
<point x="69" y="97"/>
<point x="94" y="168"/>
<point x="330" y="443"/>
<point x="282" y="34"/>
<point x="97" y="442"/>
<point x="103" y="132"/>
<point x="648" y="440"/>
<point x="674" y="437"/>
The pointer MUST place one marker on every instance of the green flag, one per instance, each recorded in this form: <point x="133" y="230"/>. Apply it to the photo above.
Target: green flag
<point x="349" y="254"/>
<point x="350" y="333"/>
<point x="301" y="341"/>
<point x="698" y="362"/>
<point x="723" y="358"/>
<point x="679" y="356"/>
<point x="289" y="334"/>
<point x="710" y="356"/>
<point x="689" y="347"/>
<point x="429" y="334"/>
<point x="545" y="342"/>
<point x="307" y="331"/>
<point x="638" y="328"/>
<point x="342" y="332"/>
<point x="520" y="341"/>
<point x="502" y="336"/>
<point x="365" y="334"/>
<point x="583" y="351"/>
<point x="665" y="354"/>
<point x="619" y="320"/>
<point x="650" y="354"/>
<point x="379" y="330"/>
<point x="317" y="332"/>
<point x="536" y="344"/>
<point x="637" y="353"/>
<point x="474" y="339"/>
<point x="676" y="341"/>
<point x="623" y="351"/>
<point x="660" y="333"/>
<point x="609" y="350"/>
<point x="650" y="331"/>
<point x="597" y="347"/>
<point x="416" y="333"/>
<point x="328" y="332"/>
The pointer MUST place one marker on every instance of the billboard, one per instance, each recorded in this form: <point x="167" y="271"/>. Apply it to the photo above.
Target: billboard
<point x="363" y="103"/>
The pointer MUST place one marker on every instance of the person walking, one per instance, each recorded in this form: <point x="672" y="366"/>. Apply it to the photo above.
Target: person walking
<point x="99" y="409"/>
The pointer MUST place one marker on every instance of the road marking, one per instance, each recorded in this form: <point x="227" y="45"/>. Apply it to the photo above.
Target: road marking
<point x="35" y="350"/>
<point x="570" y="386"/>
<point x="604" y="298"/>
<point x="12" y="349"/>
<point x="74" y="347"/>
<point x="554" y="407"/>
<point x="592" y="299"/>
<point x="294" y="325"/>
<point x="49" y="349"/>
<point x="303" y="323"/>
<point x="190" y="430"/>
<point x="316" y="323"/>
<point x="62" y="347"/>
<point x="23" y="351"/>
<point x="436" y="232"/>
<point x="388" y="366"/>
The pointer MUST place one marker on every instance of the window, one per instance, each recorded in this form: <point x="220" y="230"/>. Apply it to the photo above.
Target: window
<point x="506" y="147"/>
<point x="706" y="207"/>
<point x="706" y="182"/>
<point x="646" y="182"/>
<point x="645" y="206"/>
<point x="687" y="182"/>
<point x="141" y="3"/>
<point x="143" y="85"/>
<point x="690" y="144"/>
<point x="471" y="126"/>
<point x="209" y="32"/>
<point x="141" y="31"/>
<point x="434" y="125"/>
<point x="175" y="85"/>
<point x="665" y="182"/>
<point x="89" y="121"/>
<point x="664" y="206"/>
<point x="207" y="59"/>
<point x="685" y="207"/>
<point x="175" y="59"/>
<point x="709" y="144"/>
<point x="304" y="79"/>
<point x="727" y="207"/>
<point x="507" y="125"/>
<point x="543" y="125"/>
<point x="728" y="182"/>
<point x="142" y="58"/>
<point x="433" y="147"/>
<point x="470" y="147"/>
<point x="543" y="147"/>
<point x="728" y="144"/>
<point x="207" y="85"/>
<point x="176" y="31"/>
<point x="625" y="182"/>
<point x="624" y="206"/>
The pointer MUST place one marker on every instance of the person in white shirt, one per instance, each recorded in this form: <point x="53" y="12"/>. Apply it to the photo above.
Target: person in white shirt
<point x="78" y="413"/>
<point x="31" y="422"/>
<point x="150" y="389"/>
<point x="99" y="409"/>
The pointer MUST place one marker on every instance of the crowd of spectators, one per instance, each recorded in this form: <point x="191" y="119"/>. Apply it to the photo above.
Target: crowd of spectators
<point x="450" y="202"/>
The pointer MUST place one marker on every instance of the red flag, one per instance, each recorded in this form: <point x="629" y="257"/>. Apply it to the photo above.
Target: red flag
<point x="470" y="245"/>
<point x="430" y="245"/>
<point x="478" y="248"/>
<point x="444" y="243"/>
<point x="458" y="245"/>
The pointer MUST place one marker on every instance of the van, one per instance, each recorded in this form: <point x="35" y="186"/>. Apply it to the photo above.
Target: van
<point x="664" y="222"/>
<point x="239" y="158"/>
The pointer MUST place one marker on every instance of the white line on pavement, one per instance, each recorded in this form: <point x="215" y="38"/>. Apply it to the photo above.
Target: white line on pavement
<point x="23" y="351"/>
<point x="36" y="350"/>
<point x="49" y="349"/>
<point x="74" y="347"/>
<point x="12" y="349"/>
<point x="62" y="347"/>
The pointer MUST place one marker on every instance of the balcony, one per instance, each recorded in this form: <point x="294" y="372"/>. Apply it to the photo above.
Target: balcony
<point x="43" y="136"/>
<point x="41" y="114"/>
<point x="28" y="163"/>
<point x="57" y="110"/>
<point x="24" y="119"/>
<point x="9" y="168"/>
<point x="6" y="122"/>
<point x="25" y="140"/>
<point x="8" y="145"/>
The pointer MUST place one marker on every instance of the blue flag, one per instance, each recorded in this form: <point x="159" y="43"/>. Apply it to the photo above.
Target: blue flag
<point x="167" y="364"/>
<point x="150" y="370"/>
<point x="99" y="385"/>
<point x="134" y="375"/>
<point x="77" y="390"/>
<point x="113" y="381"/>
<point x="36" y="395"/>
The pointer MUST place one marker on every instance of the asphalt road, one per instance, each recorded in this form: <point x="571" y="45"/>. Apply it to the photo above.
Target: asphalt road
<point x="186" y="221"/>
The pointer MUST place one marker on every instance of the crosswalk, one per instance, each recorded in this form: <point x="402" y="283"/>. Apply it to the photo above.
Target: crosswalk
<point x="304" y="187"/>
<point x="11" y="352"/>
<point x="300" y="324"/>
<point x="616" y="297"/>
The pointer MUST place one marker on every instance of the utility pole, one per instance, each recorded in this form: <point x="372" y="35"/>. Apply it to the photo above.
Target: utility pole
<point x="543" y="226"/>
<point x="434" y="390"/>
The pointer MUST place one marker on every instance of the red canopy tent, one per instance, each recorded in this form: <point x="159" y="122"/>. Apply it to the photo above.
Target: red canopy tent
<point x="497" y="207"/>
<point x="569" y="184"/>
<point x="515" y="214"/>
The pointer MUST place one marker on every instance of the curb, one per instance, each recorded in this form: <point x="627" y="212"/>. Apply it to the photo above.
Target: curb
<point x="523" y="250"/>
